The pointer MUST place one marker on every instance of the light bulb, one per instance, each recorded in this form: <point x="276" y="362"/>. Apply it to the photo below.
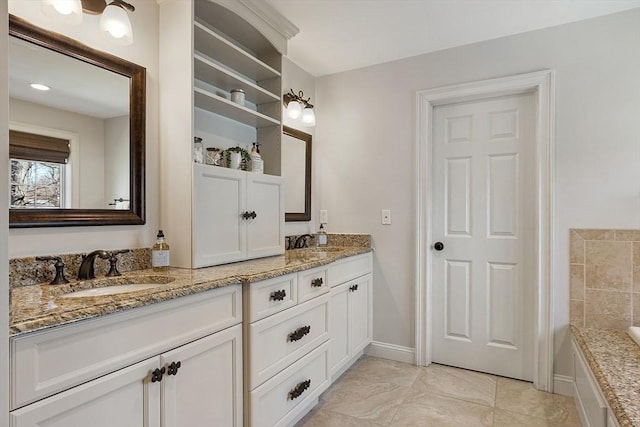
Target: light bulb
<point x="294" y="110"/>
<point x="67" y="11"/>
<point x="308" y="117"/>
<point x="115" y="23"/>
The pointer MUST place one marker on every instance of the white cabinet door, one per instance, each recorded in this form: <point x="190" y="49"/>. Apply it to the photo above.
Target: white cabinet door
<point x="125" y="398"/>
<point x="206" y="390"/>
<point x="265" y="232"/>
<point x="338" y="328"/>
<point x="219" y="231"/>
<point x="360" y="318"/>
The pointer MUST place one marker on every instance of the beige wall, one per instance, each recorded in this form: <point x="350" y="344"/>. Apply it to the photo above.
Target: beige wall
<point x="367" y="135"/>
<point x="605" y="278"/>
<point x="144" y="51"/>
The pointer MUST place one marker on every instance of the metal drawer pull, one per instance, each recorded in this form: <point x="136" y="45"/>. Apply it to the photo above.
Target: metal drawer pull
<point x="173" y="367"/>
<point x="316" y="283"/>
<point x="299" y="333"/>
<point x="156" y="375"/>
<point x="278" y="295"/>
<point x="353" y="288"/>
<point x="299" y="389"/>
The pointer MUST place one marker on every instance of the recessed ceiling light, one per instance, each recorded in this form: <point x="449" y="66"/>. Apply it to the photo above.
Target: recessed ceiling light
<point x="39" y="86"/>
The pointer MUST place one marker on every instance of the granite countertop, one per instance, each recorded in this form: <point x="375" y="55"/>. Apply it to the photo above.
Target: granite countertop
<point x="614" y="360"/>
<point x="42" y="306"/>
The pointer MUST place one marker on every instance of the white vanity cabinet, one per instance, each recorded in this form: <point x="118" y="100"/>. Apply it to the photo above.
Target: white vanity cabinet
<point x="590" y="402"/>
<point x="172" y="364"/>
<point x="237" y="215"/>
<point x="286" y="337"/>
<point x="351" y="304"/>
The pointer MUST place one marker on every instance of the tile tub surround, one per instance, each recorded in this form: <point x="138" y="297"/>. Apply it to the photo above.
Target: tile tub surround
<point x="379" y="392"/>
<point x="41" y="306"/>
<point x="604" y="278"/>
<point x="27" y="271"/>
<point x="614" y="360"/>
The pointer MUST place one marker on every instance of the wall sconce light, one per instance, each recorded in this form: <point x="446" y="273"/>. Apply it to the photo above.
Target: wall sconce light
<point x="298" y="107"/>
<point x="113" y="23"/>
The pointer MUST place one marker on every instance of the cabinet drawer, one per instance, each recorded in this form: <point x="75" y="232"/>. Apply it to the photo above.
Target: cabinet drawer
<point x="587" y="393"/>
<point x="312" y="283"/>
<point x="271" y="296"/>
<point x="348" y="268"/>
<point x="273" y="404"/>
<point x="281" y="339"/>
<point x="54" y="360"/>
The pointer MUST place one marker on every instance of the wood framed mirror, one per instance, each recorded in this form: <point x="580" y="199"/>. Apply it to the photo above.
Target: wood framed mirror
<point x="296" y="171"/>
<point x="124" y="167"/>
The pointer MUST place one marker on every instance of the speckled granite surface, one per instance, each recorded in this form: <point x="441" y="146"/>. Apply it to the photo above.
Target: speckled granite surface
<point x="27" y="271"/>
<point x="614" y="360"/>
<point x="42" y="306"/>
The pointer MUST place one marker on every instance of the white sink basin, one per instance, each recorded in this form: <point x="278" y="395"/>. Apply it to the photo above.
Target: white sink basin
<point x="634" y="333"/>
<point x="137" y="284"/>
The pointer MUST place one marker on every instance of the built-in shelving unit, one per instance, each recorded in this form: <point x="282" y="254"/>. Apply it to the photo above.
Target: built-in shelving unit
<point x="209" y="48"/>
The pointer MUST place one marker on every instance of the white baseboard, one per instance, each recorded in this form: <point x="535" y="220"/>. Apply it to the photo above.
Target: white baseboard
<point x="392" y="352"/>
<point x="563" y="384"/>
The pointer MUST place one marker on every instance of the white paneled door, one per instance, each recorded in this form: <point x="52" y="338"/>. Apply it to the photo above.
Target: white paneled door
<point x="483" y="252"/>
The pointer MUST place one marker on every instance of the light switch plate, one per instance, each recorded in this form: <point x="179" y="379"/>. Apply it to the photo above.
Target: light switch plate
<point x="385" y="215"/>
<point x="324" y="216"/>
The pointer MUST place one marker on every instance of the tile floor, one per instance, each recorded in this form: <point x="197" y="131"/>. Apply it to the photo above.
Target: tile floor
<point x="378" y="392"/>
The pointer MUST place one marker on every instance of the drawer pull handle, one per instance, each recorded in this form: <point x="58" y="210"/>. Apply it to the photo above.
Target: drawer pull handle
<point x="353" y="288"/>
<point x="172" y="369"/>
<point x="278" y="295"/>
<point x="316" y="283"/>
<point x="156" y="375"/>
<point x="299" y="333"/>
<point x="299" y="389"/>
<point x="247" y="215"/>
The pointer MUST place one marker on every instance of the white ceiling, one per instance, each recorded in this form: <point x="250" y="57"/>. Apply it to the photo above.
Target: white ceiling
<point x="76" y="86"/>
<point x="340" y="35"/>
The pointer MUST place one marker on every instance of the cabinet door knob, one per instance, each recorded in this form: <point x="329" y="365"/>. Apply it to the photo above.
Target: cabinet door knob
<point x="173" y="367"/>
<point x="253" y="215"/>
<point x="316" y="283"/>
<point x="245" y="215"/>
<point x="299" y="333"/>
<point x="299" y="389"/>
<point x="156" y="375"/>
<point x="278" y="295"/>
<point x="438" y="246"/>
<point x="353" y="288"/>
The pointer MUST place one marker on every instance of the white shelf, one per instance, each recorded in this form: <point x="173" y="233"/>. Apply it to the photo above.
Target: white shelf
<point x="216" y="104"/>
<point x="215" y="46"/>
<point x="216" y="75"/>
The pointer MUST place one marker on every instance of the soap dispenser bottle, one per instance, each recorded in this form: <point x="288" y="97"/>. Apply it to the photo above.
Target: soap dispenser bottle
<point x="321" y="237"/>
<point x="160" y="254"/>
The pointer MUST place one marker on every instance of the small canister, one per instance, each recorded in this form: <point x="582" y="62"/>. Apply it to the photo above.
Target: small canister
<point x="237" y="96"/>
<point x="214" y="156"/>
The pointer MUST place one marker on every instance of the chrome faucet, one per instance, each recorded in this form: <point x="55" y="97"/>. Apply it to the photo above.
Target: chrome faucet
<point x="86" y="272"/>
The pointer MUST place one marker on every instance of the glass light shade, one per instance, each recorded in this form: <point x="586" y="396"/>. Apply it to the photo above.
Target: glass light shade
<point x="65" y="11"/>
<point x="294" y="110"/>
<point x="308" y="117"/>
<point x="115" y="24"/>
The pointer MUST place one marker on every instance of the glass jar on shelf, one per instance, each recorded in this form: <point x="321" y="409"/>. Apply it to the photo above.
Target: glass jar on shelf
<point x="198" y="150"/>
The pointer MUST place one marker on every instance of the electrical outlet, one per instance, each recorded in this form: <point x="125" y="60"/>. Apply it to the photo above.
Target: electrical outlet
<point x="385" y="215"/>
<point x="324" y="216"/>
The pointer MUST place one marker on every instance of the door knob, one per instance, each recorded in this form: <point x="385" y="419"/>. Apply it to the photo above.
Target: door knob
<point x="438" y="246"/>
